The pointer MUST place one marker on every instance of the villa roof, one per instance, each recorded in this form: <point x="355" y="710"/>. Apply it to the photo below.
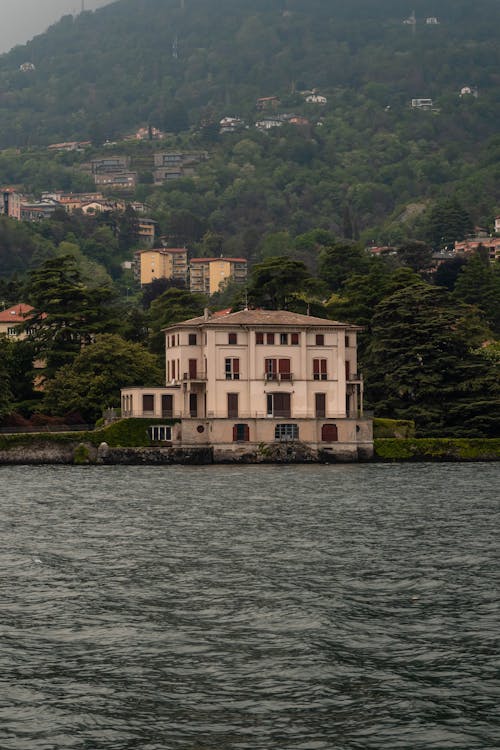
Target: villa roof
<point x="262" y="318"/>
<point x="15" y="314"/>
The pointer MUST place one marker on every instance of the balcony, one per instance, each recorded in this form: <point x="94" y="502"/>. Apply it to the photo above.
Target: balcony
<point x="278" y="377"/>
<point x="194" y="377"/>
<point x="354" y="377"/>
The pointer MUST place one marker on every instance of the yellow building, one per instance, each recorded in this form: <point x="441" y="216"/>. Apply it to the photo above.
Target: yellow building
<point x="162" y="263"/>
<point x="209" y="275"/>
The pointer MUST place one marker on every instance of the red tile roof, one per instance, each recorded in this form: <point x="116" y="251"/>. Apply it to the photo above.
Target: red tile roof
<point x="16" y="314"/>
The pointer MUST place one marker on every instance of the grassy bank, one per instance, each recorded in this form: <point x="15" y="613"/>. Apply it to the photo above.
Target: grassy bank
<point x="437" y="449"/>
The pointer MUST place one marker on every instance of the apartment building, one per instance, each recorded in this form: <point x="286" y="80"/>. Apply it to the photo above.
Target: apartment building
<point x="162" y="263"/>
<point x="209" y="275"/>
<point x="239" y="381"/>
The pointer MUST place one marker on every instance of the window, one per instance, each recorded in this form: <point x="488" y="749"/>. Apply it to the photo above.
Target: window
<point x="278" y="405"/>
<point x="192" y="339"/>
<point x="320" y="399"/>
<point x="347" y="370"/>
<point x="320" y="339"/>
<point x="277" y="369"/>
<point x="148" y="402"/>
<point x="160" y="433"/>
<point x="270" y="338"/>
<point x="270" y="369"/>
<point x="319" y="369"/>
<point x="259" y="338"/>
<point x="347" y="342"/>
<point x="173" y="369"/>
<point x="329" y="433"/>
<point x="232" y="338"/>
<point x="283" y="338"/>
<point x="232" y="405"/>
<point x="295" y="339"/>
<point x="193" y="405"/>
<point x="232" y="368"/>
<point x="167" y="406"/>
<point x="286" y="432"/>
<point x="241" y="433"/>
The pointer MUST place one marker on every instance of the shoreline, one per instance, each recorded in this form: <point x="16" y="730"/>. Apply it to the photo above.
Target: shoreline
<point x="64" y="449"/>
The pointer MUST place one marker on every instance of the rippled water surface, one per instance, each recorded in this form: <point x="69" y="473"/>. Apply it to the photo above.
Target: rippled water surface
<point x="253" y="608"/>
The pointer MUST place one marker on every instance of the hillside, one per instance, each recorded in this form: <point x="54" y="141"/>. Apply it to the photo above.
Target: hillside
<point x="354" y="164"/>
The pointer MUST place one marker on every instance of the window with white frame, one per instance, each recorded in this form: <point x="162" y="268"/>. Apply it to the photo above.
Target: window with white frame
<point x="160" y="433"/>
<point x="232" y="368"/>
<point x="286" y="432"/>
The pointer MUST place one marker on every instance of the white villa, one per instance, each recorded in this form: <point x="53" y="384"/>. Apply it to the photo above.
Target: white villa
<point x="238" y="381"/>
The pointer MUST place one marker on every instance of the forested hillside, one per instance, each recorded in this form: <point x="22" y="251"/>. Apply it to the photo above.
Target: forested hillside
<point x="301" y="201"/>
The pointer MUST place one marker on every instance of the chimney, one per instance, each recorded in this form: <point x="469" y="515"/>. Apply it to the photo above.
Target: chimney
<point x="206" y="313"/>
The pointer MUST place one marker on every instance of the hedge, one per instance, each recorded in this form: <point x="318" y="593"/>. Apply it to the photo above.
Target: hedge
<point x="437" y="449"/>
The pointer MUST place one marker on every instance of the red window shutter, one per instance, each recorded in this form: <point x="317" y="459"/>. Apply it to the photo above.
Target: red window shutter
<point x="236" y="366"/>
<point x="323" y="366"/>
<point x="235" y="433"/>
<point x="316" y="367"/>
<point x="247" y="432"/>
<point x="270" y="338"/>
<point x="284" y="368"/>
<point x="259" y="338"/>
<point x="347" y="370"/>
<point x="295" y="339"/>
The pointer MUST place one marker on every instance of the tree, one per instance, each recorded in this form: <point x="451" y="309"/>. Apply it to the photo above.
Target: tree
<point x="415" y="255"/>
<point x="5" y="390"/>
<point x="67" y="313"/>
<point x="278" y="281"/>
<point x="422" y="364"/>
<point x="447" y="222"/>
<point x="93" y="380"/>
<point x="341" y="260"/>
<point x="478" y="283"/>
<point x="173" y="306"/>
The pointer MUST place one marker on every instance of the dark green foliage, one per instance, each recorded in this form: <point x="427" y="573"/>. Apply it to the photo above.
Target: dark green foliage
<point x="393" y="428"/>
<point x="68" y="314"/>
<point x="437" y="449"/>
<point x="446" y="223"/>
<point x="340" y="261"/>
<point x="172" y="306"/>
<point x="278" y="283"/>
<point x="421" y="365"/>
<point x="94" y="379"/>
<point x="131" y="432"/>
<point x="478" y="283"/>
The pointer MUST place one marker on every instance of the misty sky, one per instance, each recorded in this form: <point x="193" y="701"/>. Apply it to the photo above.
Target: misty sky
<point x="23" y="19"/>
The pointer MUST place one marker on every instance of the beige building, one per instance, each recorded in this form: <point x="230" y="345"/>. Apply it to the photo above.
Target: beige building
<point x="10" y="203"/>
<point x="240" y="381"/>
<point x="209" y="275"/>
<point x="13" y="320"/>
<point x="162" y="263"/>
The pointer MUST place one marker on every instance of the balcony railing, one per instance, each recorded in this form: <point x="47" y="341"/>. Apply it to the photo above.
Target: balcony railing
<point x="192" y="376"/>
<point x="354" y="377"/>
<point x="278" y="377"/>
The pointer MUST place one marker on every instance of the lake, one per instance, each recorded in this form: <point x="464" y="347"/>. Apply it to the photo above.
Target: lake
<point x="346" y="607"/>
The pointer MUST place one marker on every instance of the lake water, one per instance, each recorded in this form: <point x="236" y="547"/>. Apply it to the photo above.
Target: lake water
<point x="250" y="608"/>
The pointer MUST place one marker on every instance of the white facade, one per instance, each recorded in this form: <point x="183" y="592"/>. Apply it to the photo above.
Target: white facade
<point x="258" y="376"/>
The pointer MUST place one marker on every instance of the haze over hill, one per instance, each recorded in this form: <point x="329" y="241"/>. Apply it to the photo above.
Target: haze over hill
<point x="25" y="18"/>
